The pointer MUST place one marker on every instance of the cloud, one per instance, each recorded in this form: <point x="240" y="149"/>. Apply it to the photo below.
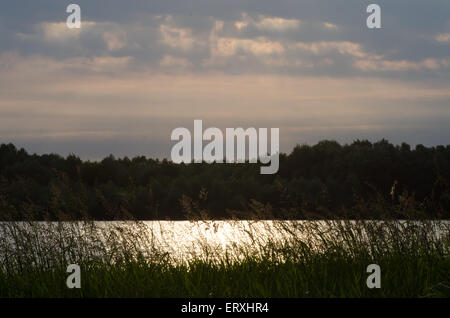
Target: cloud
<point x="179" y="38"/>
<point x="218" y="25"/>
<point x="402" y="65"/>
<point x="17" y="66"/>
<point x="171" y="61"/>
<point x="56" y="31"/>
<point x="114" y="41"/>
<point x="100" y="63"/>
<point x="91" y="37"/>
<point x="330" y="26"/>
<point x="258" y="46"/>
<point x="241" y="24"/>
<point x="443" y="38"/>
<point x="276" y="24"/>
<point x="342" y="47"/>
<point x="267" y="23"/>
<point x="255" y="43"/>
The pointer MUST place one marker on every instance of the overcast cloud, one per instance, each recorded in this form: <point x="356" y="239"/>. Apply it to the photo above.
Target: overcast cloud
<point x="138" y="69"/>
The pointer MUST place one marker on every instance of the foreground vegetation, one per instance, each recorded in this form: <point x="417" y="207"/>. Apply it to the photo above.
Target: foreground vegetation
<point x="323" y="276"/>
<point x="296" y="259"/>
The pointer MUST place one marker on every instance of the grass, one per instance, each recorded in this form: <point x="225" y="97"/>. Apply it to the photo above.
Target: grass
<point x="251" y="278"/>
<point x="292" y="259"/>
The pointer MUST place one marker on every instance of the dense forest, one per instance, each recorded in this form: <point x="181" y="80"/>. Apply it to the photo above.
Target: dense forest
<point x="327" y="179"/>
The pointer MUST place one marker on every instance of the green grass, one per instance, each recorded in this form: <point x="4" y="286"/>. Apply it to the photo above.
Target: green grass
<point x="414" y="262"/>
<point x="324" y="277"/>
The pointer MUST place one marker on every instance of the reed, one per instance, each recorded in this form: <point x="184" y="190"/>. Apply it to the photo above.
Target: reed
<point x="325" y="258"/>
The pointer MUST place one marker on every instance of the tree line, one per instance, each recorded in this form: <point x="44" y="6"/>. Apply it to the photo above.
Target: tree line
<point x="322" y="180"/>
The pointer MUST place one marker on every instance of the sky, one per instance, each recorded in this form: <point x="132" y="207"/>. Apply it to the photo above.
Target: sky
<point x="136" y="70"/>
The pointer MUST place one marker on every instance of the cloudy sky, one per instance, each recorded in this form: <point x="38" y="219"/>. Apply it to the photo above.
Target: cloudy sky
<point x="138" y="69"/>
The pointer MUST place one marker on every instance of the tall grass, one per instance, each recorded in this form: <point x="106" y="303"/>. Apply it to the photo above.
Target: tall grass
<point x="278" y="259"/>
